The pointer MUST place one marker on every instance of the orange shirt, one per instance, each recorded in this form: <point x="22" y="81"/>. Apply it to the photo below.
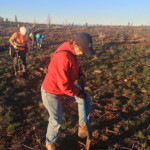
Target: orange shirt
<point x="20" y="41"/>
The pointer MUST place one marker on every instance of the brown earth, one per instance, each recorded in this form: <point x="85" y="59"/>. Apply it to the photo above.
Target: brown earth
<point x="106" y="124"/>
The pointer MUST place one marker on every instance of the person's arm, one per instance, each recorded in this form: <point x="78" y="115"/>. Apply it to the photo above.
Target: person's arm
<point x="13" y="39"/>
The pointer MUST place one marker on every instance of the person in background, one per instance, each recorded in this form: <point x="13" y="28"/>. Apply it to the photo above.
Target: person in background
<point x="32" y="38"/>
<point x="18" y="25"/>
<point x="33" y="26"/>
<point x="20" y="42"/>
<point x="63" y="70"/>
<point x="37" y="36"/>
<point x="41" y="39"/>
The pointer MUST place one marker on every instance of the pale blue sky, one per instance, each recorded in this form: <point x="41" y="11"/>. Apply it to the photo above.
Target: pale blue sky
<point x="106" y="12"/>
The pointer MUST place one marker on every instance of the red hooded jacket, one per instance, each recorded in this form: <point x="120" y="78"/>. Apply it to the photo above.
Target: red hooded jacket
<point x="62" y="72"/>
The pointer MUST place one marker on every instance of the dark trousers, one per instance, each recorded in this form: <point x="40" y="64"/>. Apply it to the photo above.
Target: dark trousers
<point x="22" y="55"/>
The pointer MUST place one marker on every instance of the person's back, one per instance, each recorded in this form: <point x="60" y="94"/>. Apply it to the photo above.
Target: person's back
<point x="37" y="36"/>
<point x="58" y="81"/>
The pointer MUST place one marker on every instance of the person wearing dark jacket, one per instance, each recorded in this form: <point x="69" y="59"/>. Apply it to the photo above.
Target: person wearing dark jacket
<point x="63" y="70"/>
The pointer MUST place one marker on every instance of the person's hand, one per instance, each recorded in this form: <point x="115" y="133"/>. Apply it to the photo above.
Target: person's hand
<point x="82" y="94"/>
<point x="15" y="47"/>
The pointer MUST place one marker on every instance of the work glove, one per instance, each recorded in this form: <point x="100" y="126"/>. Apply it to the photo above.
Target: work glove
<point x="82" y="94"/>
<point x="15" y="47"/>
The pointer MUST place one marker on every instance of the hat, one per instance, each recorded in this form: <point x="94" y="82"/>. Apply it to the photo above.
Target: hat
<point x="84" y="40"/>
<point x="23" y="30"/>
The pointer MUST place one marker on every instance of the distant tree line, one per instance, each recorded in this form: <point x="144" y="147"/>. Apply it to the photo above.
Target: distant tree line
<point x="3" y="20"/>
<point x="6" y="19"/>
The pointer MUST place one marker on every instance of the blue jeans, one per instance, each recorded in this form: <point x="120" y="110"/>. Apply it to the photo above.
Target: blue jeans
<point x="53" y="104"/>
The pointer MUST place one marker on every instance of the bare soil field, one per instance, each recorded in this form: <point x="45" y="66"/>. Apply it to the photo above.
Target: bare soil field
<point x="117" y="78"/>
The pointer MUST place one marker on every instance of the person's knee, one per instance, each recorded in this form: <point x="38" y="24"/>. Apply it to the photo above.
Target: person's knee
<point x="24" y="63"/>
<point x="15" y="62"/>
<point x="55" y="121"/>
<point x="23" y="60"/>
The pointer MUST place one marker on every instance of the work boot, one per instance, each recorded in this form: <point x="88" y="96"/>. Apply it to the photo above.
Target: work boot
<point x="15" y="73"/>
<point x="83" y="131"/>
<point x="23" y="68"/>
<point x="50" y="146"/>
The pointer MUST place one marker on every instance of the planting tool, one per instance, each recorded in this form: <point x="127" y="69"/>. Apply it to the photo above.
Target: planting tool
<point x="18" y="63"/>
<point x="85" y="115"/>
